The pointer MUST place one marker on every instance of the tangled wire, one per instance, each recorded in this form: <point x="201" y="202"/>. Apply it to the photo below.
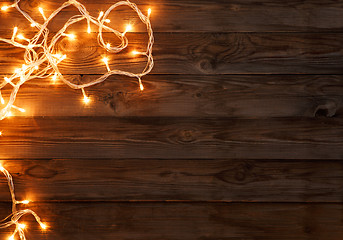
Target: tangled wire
<point x="42" y="59"/>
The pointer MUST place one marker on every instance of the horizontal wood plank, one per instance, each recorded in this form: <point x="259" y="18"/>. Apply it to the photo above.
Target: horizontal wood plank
<point x="204" y="15"/>
<point x="192" y="221"/>
<point x="201" y="53"/>
<point x="186" y="180"/>
<point x="109" y="137"/>
<point x="234" y="96"/>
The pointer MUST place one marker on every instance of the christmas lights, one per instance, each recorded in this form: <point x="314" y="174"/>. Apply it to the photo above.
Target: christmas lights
<point x="16" y="215"/>
<point x="42" y="59"/>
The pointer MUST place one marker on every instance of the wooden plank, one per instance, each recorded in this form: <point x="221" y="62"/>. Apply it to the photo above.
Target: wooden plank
<point x="174" y="221"/>
<point x="202" y="53"/>
<point x="186" y="180"/>
<point x="205" y="15"/>
<point x="108" y="137"/>
<point x="241" y="96"/>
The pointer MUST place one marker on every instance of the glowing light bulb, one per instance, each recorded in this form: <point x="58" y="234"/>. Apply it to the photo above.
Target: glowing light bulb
<point x="2" y="169"/>
<point x="33" y="25"/>
<point x="20" y="36"/>
<point x="86" y="99"/>
<point x="2" y="100"/>
<point x="11" y="238"/>
<point x="43" y="226"/>
<point x="108" y="45"/>
<point x="107" y="20"/>
<point x="89" y="30"/>
<point x="25" y="202"/>
<point x="105" y="60"/>
<point x="22" y="110"/>
<point x="100" y="15"/>
<point x="71" y="36"/>
<point x="15" y="30"/>
<point x="149" y="12"/>
<point x="128" y="28"/>
<point x="135" y="52"/>
<point x="21" y="225"/>
<point x="140" y="84"/>
<point x="42" y="13"/>
<point x="4" y="8"/>
<point x="54" y="78"/>
<point x="36" y="67"/>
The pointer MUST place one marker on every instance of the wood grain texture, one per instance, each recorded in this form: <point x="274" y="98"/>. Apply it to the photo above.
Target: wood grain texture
<point x="108" y="137"/>
<point x="234" y="96"/>
<point x="193" y="221"/>
<point x="204" y="15"/>
<point x="186" y="180"/>
<point x="202" y="53"/>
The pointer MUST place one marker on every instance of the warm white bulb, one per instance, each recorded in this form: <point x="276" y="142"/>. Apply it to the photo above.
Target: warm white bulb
<point x="25" y="202"/>
<point x="100" y="15"/>
<point x="2" y="100"/>
<point x="33" y="25"/>
<point x="128" y="28"/>
<point x="22" y="110"/>
<point x="149" y="12"/>
<point x="141" y="86"/>
<point x="2" y="169"/>
<point x="20" y="36"/>
<point x="89" y="29"/>
<point x="105" y="60"/>
<point x="21" y="225"/>
<point x="41" y="10"/>
<point x="71" y="36"/>
<point x="135" y="52"/>
<point x="43" y="226"/>
<point x="86" y="99"/>
<point x="108" y="45"/>
<point x="4" y="8"/>
<point x="107" y="20"/>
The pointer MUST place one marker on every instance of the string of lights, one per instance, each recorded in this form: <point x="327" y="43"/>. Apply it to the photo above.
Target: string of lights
<point x="16" y="215"/>
<point x="42" y="58"/>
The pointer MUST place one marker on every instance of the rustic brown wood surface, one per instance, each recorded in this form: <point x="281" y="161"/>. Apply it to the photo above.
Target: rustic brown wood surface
<point x="187" y="180"/>
<point x="173" y="221"/>
<point x="202" y="15"/>
<point x="238" y="134"/>
<point x="201" y="53"/>
<point x="233" y="96"/>
<point x="108" y="137"/>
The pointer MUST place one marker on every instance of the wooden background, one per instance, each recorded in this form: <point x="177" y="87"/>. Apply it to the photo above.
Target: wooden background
<point x="238" y="134"/>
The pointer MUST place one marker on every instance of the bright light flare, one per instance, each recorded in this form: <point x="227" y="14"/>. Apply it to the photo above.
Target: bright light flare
<point x="25" y="201"/>
<point x="43" y="226"/>
<point x="41" y="10"/>
<point x="4" y="8"/>
<point x="105" y="60"/>
<point x="21" y="225"/>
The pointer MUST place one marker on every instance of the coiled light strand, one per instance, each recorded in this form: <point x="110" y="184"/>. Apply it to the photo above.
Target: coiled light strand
<point x="16" y="215"/>
<point x="38" y="52"/>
